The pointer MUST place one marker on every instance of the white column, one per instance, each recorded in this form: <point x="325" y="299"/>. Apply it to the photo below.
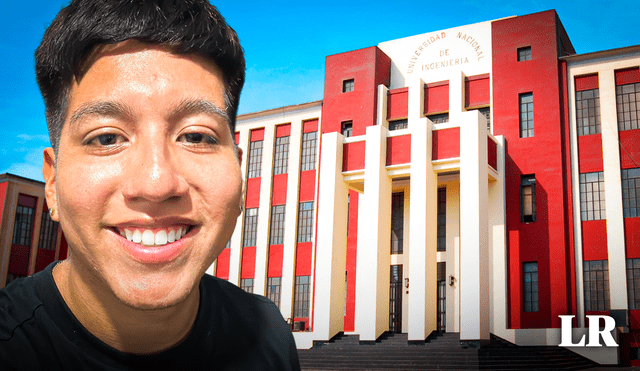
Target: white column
<point x="264" y="211"/>
<point x="423" y="221"/>
<point x="331" y="248"/>
<point x="474" y="256"/>
<point x="456" y="95"/>
<point x="497" y="246"/>
<point x="374" y="237"/>
<point x="290" y="221"/>
<point x="383" y="95"/>
<point x="236" y="239"/>
<point x="613" y="192"/>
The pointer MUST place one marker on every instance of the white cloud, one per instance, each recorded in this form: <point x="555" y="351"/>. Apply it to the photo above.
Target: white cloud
<point x="26" y="170"/>
<point x="28" y="138"/>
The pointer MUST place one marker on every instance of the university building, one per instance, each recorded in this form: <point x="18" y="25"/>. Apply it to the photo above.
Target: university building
<point x="483" y="179"/>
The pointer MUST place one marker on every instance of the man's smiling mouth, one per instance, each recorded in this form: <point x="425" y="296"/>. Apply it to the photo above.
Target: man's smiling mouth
<point x="154" y="236"/>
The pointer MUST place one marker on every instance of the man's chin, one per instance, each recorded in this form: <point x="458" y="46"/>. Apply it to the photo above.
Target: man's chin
<point x="142" y="296"/>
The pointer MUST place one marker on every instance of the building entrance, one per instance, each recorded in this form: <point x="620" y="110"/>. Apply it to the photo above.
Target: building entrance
<point x="395" y="299"/>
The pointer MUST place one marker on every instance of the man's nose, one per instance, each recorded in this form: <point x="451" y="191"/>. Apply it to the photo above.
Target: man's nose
<point x="153" y="174"/>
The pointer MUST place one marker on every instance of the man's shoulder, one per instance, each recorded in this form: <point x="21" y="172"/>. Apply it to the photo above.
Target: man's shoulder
<point x="18" y="303"/>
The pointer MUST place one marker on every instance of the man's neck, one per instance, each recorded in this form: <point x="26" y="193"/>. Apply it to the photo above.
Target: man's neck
<point x="122" y="327"/>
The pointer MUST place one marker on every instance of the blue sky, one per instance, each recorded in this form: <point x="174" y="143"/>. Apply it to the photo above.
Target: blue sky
<point x="286" y="43"/>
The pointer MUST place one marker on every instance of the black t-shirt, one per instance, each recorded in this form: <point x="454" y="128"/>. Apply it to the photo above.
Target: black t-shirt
<point x="233" y="330"/>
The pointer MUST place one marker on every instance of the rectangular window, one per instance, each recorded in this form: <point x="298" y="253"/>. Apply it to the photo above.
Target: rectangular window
<point x="255" y="159"/>
<point x="247" y="285"/>
<point x="592" y="205"/>
<point x="397" y="222"/>
<point x="250" y="227"/>
<point x="301" y="297"/>
<point x="633" y="283"/>
<point x="631" y="192"/>
<point x="588" y="111"/>
<point x="526" y="115"/>
<point x="347" y="128"/>
<point x="274" y="286"/>
<point x="524" y="54"/>
<point x="486" y="112"/>
<point x="439" y="118"/>
<point x="528" y="199"/>
<point x="48" y="232"/>
<point x="348" y="85"/>
<point x="23" y="225"/>
<point x="628" y="106"/>
<point x="596" y="285"/>
<point x="305" y="221"/>
<point x="276" y="237"/>
<point x="398" y="124"/>
<point x="442" y="219"/>
<point x="281" y="158"/>
<point x="309" y="151"/>
<point x="530" y="280"/>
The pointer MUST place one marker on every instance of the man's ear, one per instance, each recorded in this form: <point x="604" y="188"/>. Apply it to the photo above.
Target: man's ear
<point x="49" y="173"/>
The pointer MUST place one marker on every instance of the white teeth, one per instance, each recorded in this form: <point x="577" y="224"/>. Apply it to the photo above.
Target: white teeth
<point x="148" y="238"/>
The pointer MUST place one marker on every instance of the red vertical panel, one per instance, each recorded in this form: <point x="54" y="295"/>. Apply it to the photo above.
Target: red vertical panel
<point x="477" y="91"/>
<point x="352" y="247"/>
<point x="590" y="153"/>
<point x="492" y="153"/>
<point x="248" y="262"/>
<point x="436" y="97"/>
<point x="222" y="264"/>
<point x="587" y="82"/>
<point x="236" y="137"/>
<point x="629" y="148"/>
<point x="303" y="259"/>
<point x="628" y="76"/>
<point x="594" y="240"/>
<point x="399" y="150"/>
<point x="279" y="189"/>
<point x="253" y="193"/>
<point x="632" y="237"/>
<point x="19" y="259"/>
<point x="257" y="135"/>
<point x="310" y="125"/>
<point x="446" y="143"/>
<point x="353" y="156"/>
<point x="44" y="258"/>
<point x="397" y="103"/>
<point x="307" y="185"/>
<point x="3" y="194"/>
<point x="64" y="248"/>
<point x="283" y="130"/>
<point x="28" y="201"/>
<point x="275" y="261"/>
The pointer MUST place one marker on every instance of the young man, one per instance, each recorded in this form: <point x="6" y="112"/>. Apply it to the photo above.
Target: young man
<point x="144" y="178"/>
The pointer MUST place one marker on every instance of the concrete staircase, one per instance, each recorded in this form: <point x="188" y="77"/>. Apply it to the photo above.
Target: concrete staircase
<point x="438" y="352"/>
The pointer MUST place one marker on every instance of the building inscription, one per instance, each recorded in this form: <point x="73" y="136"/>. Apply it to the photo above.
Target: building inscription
<point x="444" y="57"/>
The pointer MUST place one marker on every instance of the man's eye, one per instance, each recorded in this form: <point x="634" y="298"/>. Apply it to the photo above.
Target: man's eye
<point x="105" y="139"/>
<point x="199" y="138"/>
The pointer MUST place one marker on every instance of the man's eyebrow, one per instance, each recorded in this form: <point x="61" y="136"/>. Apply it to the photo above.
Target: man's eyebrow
<point x="196" y="106"/>
<point x="101" y="108"/>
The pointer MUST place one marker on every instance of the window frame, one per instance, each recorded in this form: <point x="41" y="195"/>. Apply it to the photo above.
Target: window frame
<point x="397" y="223"/>
<point x="524" y="54"/>
<point x="281" y="155"/>
<point x="250" y="232"/>
<point x="628" y="118"/>
<point x="346" y="128"/>
<point x="589" y="196"/>
<point x="527" y="181"/>
<point x="588" y="112"/>
<point x="305" y="221"/>
<point x="23" y="225"/>
<point x="254" y="160"/>
<point x="530" y="293"/>
<point x="276" y="230"/>
<point x="302" y="297"/>
<point x="526" y="110"/>
<point x="247" y="284"/>
<point x="274" y="290"/>
<point x="348" y="85"/>
<point x="309" y="144"/>
<point x="596" y="281"/>
<point x="48" y="232"/>
<point x="630" y="192"/>
<point x="398" y="124"/>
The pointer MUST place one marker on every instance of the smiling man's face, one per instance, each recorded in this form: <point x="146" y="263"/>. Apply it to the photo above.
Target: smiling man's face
<point x="147" y="183"/>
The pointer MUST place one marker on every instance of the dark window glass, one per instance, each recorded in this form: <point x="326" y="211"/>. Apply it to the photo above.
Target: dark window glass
<point x="397" y="222"/>
<point x="48" y="232"/>
<point x="486" y="112"/>
<point x="588" y="112"/>
<point x="274" y="286"/>
<point x="347" y="128"/>
<point x="442" y="219"/>
<point x="309" y="151"/>
<point x="628" y="106"/>
<point x="631" y="192"/>
<point x="592" y="205"/>
<point x="524" y="54"/>
<point x="23" y="225"/>
<point x="281" y="158"/>
<point x="254" y="166"/>
<point x="528" y="199"/>
<point x="247" y="284"/>
<point x="301" y="297"/>
<point x="530" y="280"/>
<point x="305" y="221"/>
<point x="596" y="285"/>
<point x="439" y="118"/>
<point x="526" y="115"/>
<point x="250" y="227"/>
<point x="398" y="124"/>
<point x="276" y="237"/>
<point x="348" y="85"/>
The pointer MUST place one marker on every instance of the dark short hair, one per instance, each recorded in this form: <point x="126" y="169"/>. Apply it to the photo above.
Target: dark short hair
<point x="187" y="26"/>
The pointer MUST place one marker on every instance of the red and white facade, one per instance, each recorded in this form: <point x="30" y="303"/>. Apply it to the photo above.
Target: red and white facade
<point x="507" y="194"/>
